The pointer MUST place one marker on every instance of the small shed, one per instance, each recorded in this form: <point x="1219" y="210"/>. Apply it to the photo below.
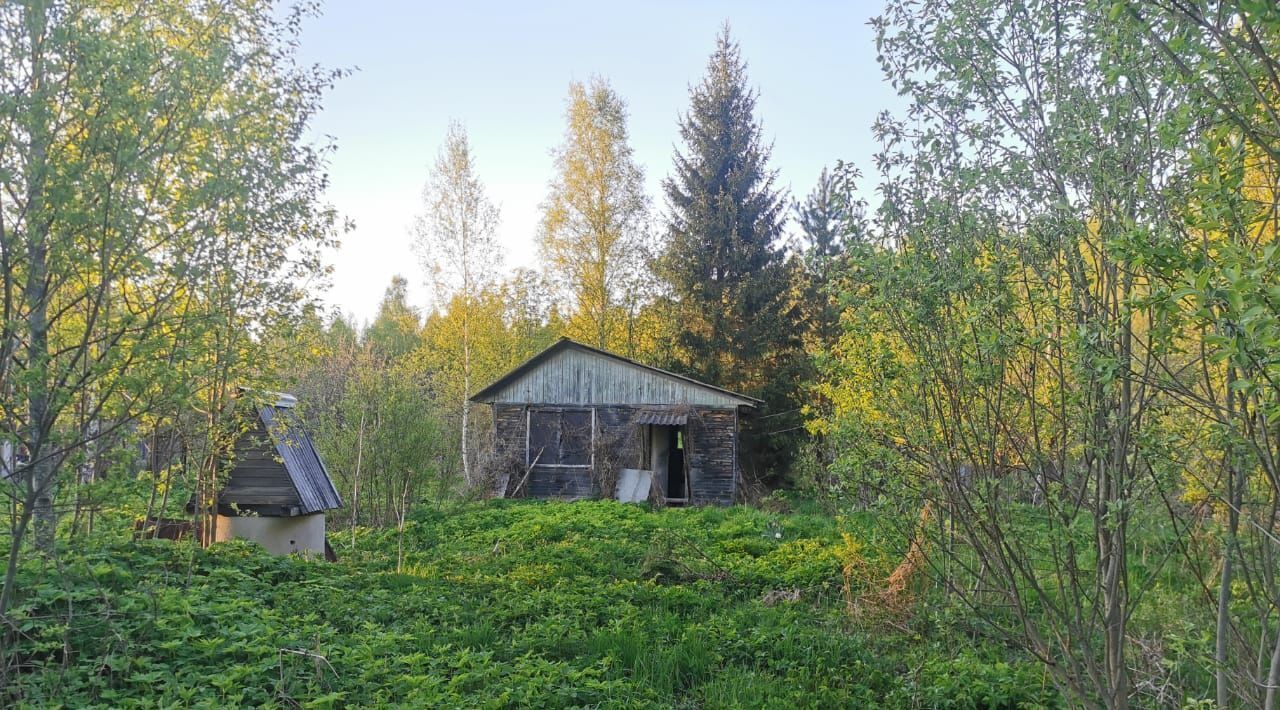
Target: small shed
<point x="576" y="422"/>
<point x="278" y="488"/>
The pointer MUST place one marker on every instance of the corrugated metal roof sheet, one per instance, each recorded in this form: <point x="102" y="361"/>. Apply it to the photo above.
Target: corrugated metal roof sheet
<point x="301" y="460"/>
<point x="573" y="373"/>
<point x="661" y="418"/>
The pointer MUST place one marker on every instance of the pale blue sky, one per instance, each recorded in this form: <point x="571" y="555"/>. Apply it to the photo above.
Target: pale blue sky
<point x="504" y="71"/>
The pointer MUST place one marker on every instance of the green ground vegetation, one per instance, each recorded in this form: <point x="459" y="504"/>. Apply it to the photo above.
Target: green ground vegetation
<point x="508" y="604"/>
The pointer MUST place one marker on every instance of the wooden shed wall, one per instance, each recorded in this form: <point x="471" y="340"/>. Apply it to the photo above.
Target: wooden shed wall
<point x="714" y="437"/>
<point x="710" y="447"/>
<point x="579" y="377"/>
<point x="259" y="478"/>
<point x="509" y="423"/>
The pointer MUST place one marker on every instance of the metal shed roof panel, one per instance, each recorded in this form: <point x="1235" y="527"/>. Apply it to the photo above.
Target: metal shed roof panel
<point x="573" y="373"/>
<point x="301" y="460"/>
<point x="661" y="418"/>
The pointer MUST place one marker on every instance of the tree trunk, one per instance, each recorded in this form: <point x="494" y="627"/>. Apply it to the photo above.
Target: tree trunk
<point x="15" y="546"/>
<point x="404" y="505"/>
<point x="42" y="470"/>
<point x="1235" y="486"/>
<point x="355" y="482"/>
<point x="168" y="481"/>
<point x="1224" y="621"/>
<point x="1273" y="676"/>
<point x="466" y="392"/>
<point x="149" y="512"/>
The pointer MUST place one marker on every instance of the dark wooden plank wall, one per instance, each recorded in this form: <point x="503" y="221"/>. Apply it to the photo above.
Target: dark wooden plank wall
<point x="508" y="428"/>
<point x="258" y="478"/>
<point x="509" y="438"/>
<point x="711" y="439"/>
<point x="551" y="482"/>
<point x="713" y="435"/>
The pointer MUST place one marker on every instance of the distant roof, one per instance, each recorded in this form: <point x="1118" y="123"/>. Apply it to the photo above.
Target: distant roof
<point x="282" y="399"/>
<point x="301" y="459"/>
<point x="580" y="384"/>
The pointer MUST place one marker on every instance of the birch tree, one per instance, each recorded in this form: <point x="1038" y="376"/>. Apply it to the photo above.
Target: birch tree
<point x="594" y="221"/>
<point x="456" y="238"/>
<point x="151" y="162"/>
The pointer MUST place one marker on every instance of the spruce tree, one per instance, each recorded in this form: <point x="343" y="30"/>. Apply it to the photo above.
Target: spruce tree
<point x="723" y="262"/>
<point x="830" y="219"/>
<point x="827" y="217"/>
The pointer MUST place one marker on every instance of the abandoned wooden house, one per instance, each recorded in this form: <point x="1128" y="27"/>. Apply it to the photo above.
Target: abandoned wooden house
<point x="278" y="488"/>
<point x="578" y="422"/>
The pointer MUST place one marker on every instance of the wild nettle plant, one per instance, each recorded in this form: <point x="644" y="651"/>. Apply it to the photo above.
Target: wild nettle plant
<point x="507" y="603"/>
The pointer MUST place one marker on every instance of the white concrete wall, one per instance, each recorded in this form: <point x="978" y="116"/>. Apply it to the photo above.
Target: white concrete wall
<point x="282" y="536"/>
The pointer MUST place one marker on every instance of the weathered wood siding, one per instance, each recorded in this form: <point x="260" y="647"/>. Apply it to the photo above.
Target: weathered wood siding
<point x="580" y="377"/>
<point x="711" y="437"/>
<point x="509" y="431"/>
<point x="258" y="477"/>
<point x="570" y="483"/>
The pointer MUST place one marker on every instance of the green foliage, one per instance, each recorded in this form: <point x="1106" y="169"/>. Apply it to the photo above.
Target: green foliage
<point x="163" y="209"/>
<point x="594" y="229"/>
<point x="829" y="219"/>
<point x="370" y="411"/>
<point x="732" y="312"/>
<point x="394" y="332"/>
<point x="502" y="604"/>
<point x="1063" y="328"/>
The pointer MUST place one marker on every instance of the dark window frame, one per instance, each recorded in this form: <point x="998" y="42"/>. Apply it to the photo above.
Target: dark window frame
<point x="559" y="413"/>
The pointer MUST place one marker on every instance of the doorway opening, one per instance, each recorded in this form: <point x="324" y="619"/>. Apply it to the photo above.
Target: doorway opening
<point x="667" y="461"/>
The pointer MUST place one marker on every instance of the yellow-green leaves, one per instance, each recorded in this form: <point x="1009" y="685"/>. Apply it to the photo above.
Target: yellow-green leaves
<point x="594" y="220"/>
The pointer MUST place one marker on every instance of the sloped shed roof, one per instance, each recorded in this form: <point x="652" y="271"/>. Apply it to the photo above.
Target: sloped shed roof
<point x="302" y="461"/>
<point x="571" y="373"/>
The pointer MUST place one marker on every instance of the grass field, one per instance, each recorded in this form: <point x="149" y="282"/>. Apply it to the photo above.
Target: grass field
<point x="505" y="604"/>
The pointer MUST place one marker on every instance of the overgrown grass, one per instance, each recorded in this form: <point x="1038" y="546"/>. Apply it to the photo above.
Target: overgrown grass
<point x="500" y="604"/>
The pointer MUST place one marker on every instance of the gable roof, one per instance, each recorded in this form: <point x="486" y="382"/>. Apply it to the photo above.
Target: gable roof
<point x="650" y="385"/>
<point x="302" y="461"/>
